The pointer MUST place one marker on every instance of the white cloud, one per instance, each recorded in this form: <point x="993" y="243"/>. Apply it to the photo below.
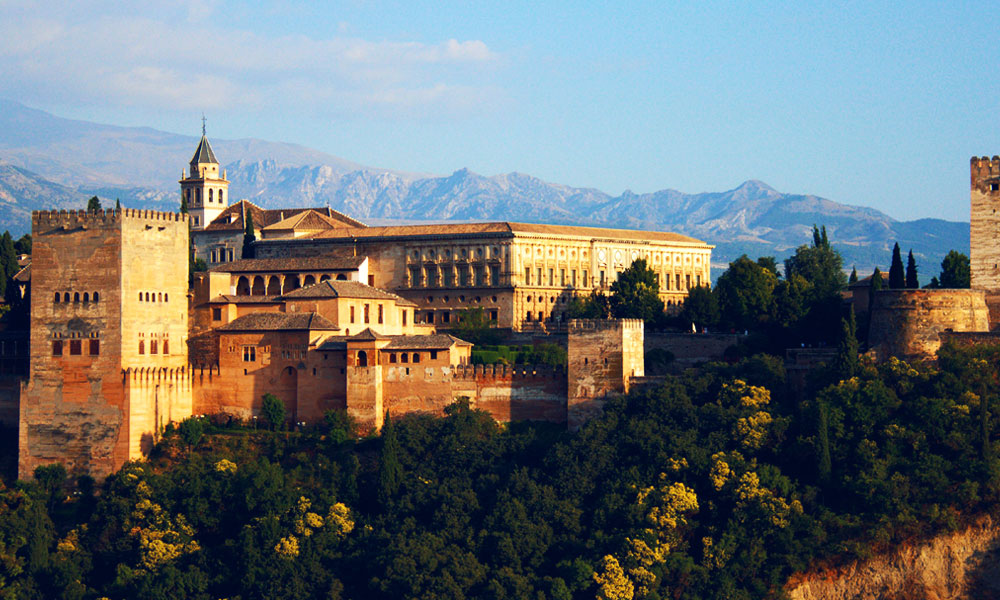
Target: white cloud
<point x="129" y="60"/>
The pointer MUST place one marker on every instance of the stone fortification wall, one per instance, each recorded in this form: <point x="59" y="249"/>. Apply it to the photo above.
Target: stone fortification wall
<point x="603" y="355"/>
<point x="908" y="323"/>
<point x="156" y="396"/>
<point x="691" y="348"/>
<point x="984" y="256"/>
<point x="513" y="392"/>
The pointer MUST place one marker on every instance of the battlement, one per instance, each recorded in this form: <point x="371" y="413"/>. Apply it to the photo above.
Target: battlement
<point x="984" y="168"/>
<point x="583" y="325"/>
<point x="155" y="374"/>
<point x="72" y="219"/>
<point x="501" y="371"/>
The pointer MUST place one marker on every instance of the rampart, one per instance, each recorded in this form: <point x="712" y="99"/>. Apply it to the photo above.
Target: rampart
<point x="908" y="323"/>
<point x="513" y="392"/>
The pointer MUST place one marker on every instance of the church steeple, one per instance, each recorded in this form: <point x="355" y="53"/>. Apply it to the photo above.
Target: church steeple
<point x="203" y="191"/>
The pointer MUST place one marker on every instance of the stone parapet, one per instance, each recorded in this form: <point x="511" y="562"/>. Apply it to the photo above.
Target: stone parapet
<point x="908" y="323"/>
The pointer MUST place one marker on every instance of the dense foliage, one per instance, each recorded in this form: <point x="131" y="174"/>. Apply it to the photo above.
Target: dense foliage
<point x="717" y="484"/>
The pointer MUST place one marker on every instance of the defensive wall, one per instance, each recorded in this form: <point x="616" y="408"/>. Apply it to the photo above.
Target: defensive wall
<point x="984" y="251"/>
<point x="603" y="356"/>
<point x="690" y="349"/>
<point x="908" y="323"/>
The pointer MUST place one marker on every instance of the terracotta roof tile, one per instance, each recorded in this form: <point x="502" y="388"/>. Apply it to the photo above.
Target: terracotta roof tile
<point x="234" y="299"/>
<point x="308" y="321"/>
<point x="231" y="219"/>
<point x="344" y="289"/>
<point x="293" y="264"/>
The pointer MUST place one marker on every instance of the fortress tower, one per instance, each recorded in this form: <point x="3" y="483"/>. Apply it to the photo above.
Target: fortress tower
<point x="984" y="239"/>
<point x="603" y="357"/>
<point x="205" y="193"/>
<point x="108" y="348"/>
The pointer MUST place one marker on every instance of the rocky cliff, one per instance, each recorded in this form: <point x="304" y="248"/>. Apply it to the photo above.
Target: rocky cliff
<point x="950" y="566"/>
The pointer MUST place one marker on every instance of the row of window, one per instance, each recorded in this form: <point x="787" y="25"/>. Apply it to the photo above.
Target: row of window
<point x="444" y="316"/>
<point x="222" y="255"/>
<point x="394" y="357"/>
<point x="66" y="297"/>
<point x="76" y="347"/>
<point x="446" y="276"/>
<point x="380" y="317"/>
<point x="157" y="345"/>
<point x="209" y="198"/>
<point x="154" y="297"/>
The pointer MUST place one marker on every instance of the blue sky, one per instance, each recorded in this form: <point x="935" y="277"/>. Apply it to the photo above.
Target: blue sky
<point x="867" y="103"/>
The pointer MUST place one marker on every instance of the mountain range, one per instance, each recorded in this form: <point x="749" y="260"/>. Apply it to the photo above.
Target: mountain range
<point x="50" y="162"/>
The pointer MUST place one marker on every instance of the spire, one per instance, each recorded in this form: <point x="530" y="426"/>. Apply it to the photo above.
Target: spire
<point x="203" y="119"/>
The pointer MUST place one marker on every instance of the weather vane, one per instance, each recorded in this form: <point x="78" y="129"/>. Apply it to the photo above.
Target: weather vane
<point x="203" y="119"/>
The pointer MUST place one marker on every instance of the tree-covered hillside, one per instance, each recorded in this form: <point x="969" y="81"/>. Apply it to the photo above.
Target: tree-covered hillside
<point x="716" y="484"/>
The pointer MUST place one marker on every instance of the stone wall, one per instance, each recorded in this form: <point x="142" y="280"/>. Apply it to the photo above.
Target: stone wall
<point x="691" y="348"/>
<point x="513" y="392"/>
<point x="603" y="355"/>
<point x="908" y="323"/>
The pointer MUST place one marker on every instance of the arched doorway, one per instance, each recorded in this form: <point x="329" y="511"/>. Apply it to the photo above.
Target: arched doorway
<point x="258" y="286"/>
<point x="242" y="286"/>
<point x="309" y="280"/>
<point x="362" y="358"/>
<point x="273" y="286"/>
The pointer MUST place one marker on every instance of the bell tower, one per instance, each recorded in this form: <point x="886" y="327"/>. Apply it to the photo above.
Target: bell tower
<point x="205" y="193"/>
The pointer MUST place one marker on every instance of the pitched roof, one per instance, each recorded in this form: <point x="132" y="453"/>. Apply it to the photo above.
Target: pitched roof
<point x="310" y="220"/>
<point x="437" y="341"/>
<point x="293" y="264"/>
<point x="506" y="229"/>
<point x="231" y="219"/>
<point x="267" y="321"/>
<point x="236" y="299"/>
<point x="344" y="289"/>
<point x="204" y="153"/>
<point x="368" y="336"/>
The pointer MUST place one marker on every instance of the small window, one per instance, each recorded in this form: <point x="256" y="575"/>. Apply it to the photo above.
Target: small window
<point x="142" y="347"/>
<point x="166" y="346"/>
<point x="57" y="298"/>
<point x="75" y="347"/>
<point x="76" y="296"/>
<point x="434" y="354"/>
<point x="86" y="297"/>
<point x="140" y="296"/>
<point x="160" y="297"/>
<point x="404" y="317"/>
<point x="216" y="314"/>
<point x="404" y="357"/>
<point x="392" y="357"/>
<point x="371" y="280"/>
<point x="147" y="297"/>
<point x="152" y="346"/>
<point x="95" y="347"/>
<point x="380" y="310"/>
<point x="96" y="297"/>
<point x="66" y="297"/>
<point x="249" y="353"/>
<point x="57" y="348"/>
<point x="367" y="313"/>
<point x="994" y="186"/>
<point x="352" y="314"/>
<point x="416" y="357"/>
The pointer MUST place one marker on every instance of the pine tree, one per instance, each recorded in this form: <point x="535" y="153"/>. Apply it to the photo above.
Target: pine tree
<point x="897" y="278"/>
<point x="94" y="204"/>
<point x="390" y="471"/>
<point x="248" y="236"/>
<point x="854" y="276"/>
<point x="911" y="272"/>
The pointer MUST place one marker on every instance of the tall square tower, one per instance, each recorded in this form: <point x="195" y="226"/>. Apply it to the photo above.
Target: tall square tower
<point x="108" y="345"/>
<point x="984" y="239"/>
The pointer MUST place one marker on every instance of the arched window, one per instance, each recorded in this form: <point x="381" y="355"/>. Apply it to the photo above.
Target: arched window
<point x="96" y="297"/>
<point x="57" y="297"/>
<point x="341" y="277"/>
<point x="324" y="278"/>
<point x="416" y="357"/>
<point x="160" y="296"/>
<point x="221" y="196"/>
<point x="210" y="195"/>
<point x="309" y="280"/>
<point x="142" y="347"/>
<point x="86" y="297"/>
<point x="147" y="297"/>
<point x="66" y="297"/>
<point x="362" y="358"/>
<point x="140" y="296"/>
<point x="197" y="197"/>
<point x="166" y="297"/>
<point x="404" y="357"/>
<point x="76" y="296"/>
<point x="152" y="346"/>
<point x="166" y="346"/>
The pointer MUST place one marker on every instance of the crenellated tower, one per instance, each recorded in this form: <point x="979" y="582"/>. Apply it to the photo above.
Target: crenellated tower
<point x="203" y="190"/>
<point x="984" y="248"/>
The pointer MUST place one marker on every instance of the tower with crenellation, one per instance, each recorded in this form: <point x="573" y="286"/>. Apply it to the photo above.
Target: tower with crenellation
<point x="984" y="234"/>
<point x="108" y="345"/>
<point x="203" y="190"/>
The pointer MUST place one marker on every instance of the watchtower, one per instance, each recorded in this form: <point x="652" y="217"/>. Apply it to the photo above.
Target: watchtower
<point x="108" y="299"/>
<point x="984" y="238"/>
<point x="603" y="356"/>
<point x="205" y="193"/>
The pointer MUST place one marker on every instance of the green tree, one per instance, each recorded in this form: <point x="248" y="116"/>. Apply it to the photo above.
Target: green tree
<point x="701" y="307"/>
<point x="94" y="204"/>
<point x="636" y="293"/>
<point x="23" y="244"/>
<point x="911" y="272"/>
<point x="769" y="263"/>
<point x="955" y="270"/>
<point x="854" y="276"/>
<point x="845" y="364"/>
<point x="184" y="204"/>
<point x="475" y="326"/>
<point x="118" y="205"/>
<point x="273" y="410"/>
<point x="249" y="237"/>
<point x="820" y="265"/>
<point x="745" y="294"/>
<point x="897" y="277"/>
<point x="191" y="430"/>
<point x="824" y="464"/>
<point x="878" y="282"/>
<point x="390" y="470"/>
<point x="595" y="306"/>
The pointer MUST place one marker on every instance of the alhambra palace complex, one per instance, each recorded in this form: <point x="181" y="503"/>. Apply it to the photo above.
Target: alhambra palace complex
<point x="332" y="314"/>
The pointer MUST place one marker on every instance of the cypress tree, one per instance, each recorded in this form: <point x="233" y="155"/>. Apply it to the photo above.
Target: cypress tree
<point x="248" y="236"/>
<point x="911" y="272"/>
<point x="854" y="276"/>
<point x="877" y="280"/>
<point x="184" y="205"/>
<point x="897" y="278"/>
<point x="816" y="238"/>
<point x="118" y="205"/>
<point x="824" y="242"/>
<point x="390" y="471"/>
<point x="824" y="465"/>
<point x="846" y="362"/>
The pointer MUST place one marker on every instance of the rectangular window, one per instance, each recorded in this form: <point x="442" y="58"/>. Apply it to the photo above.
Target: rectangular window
<point x="434" y="354"/>
<point x="230" y="255"/>
<point x="562" y="277"/>
<point x="602" y="279"/>
<point x="463" y="275"/>
<point x="368" y="313"/>
<point x="152" y="346"/>
<point x="430" y="275"/>
<point x="57" y="348"/>
<point x="249" y="353"/>
<point x="687" y="281"/>
<point x="552" y="277"/>
<point x="493" y="315"/>
<point x="494" y="275"/>
<point x="352" y="314"/>
<point x="392" y="357"/>
<point x="677" y="281"/>
<point x="414" y="276"/>
<point x="697" y="281"/>
<point x="95" y="347"/>
<point x="371" y="280"/>
<point x="380" y="314"/>
<point x="572" y="278"/>
<point x="527" y="275"/>
<point x="584" y="279"/>
<point x="216" y="314"/>
<point x="447" y="276"/>
<point x="446" y="317"/>
<point x="166" y="346"/>
<point x="538" y="276"/>
<point x="527" y="317"/>
<point x="480" y="274"/>
<point x="404" y="317"/>
<point x="666" y="279"/>
<point x="75" y="347"/>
